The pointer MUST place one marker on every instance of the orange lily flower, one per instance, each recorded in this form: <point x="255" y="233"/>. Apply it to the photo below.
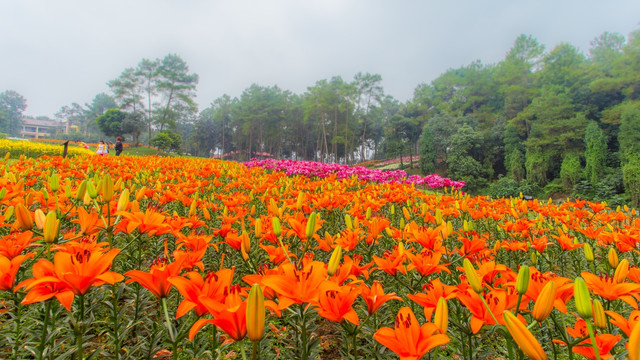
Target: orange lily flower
<point x="328" y="242"/>
<point x="564" y="288"/>
<point x="335" y="303"/>
<point x="497" y="301"/>
<point x="44" y="270"/>
<point x="150" y="222"/>
<point x="157" y="279"/>
<point x="610" y="290"/>
<point x="9" y="269"/>
<point x="90" y="223"/>
<point x="626" y="325"/>
<point x="429" y="238"/>
<point x="428" y="262"/>
<point x="75" y="272"/>
<point x="604" y="342"/>
<point x="13" y="244"/>
<point x="357" y="270"/>
<point x="565" y="241"/>
<point x="298" y="225"/>
<point x="408" y="339"/>
<point x="392" y="262"/>
<point x="375" y="297"/>
<point x="276" y="254"/>
<point x="230" y="316"/>
<point x="434" y="290"/>
<point x="194" y="288"/>
<point x="375" y="226"/>
<point x="297" y="286"/>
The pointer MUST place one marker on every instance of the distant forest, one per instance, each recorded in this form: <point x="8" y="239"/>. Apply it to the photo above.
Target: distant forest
<point x="555" y="122"/>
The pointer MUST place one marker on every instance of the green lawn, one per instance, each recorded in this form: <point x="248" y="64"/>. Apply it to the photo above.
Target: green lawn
<point x="142" y="151"/>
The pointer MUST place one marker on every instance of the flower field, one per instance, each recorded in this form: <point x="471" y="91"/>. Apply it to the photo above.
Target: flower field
<point x="174" y="258"/>
<point x="17" y="148"/>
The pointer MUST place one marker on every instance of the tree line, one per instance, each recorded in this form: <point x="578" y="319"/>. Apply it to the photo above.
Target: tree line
<point x="543" y="122"/>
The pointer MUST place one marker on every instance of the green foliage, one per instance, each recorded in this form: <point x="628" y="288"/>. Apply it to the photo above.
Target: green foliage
<point x="595" y="153"/>
<point x="167" y="140"/>
<point x="464" y="159"/>
<point x="536" y="165"/>
<point x="427" y="151"/>
<point x="515" y="166"/>
<point x="110" y="123"/>
<point x="508" y="187"/>
<point x="12" y="105"/>
<point x="629" y="136"/>
<point x="571" y="171"/>
<point x="631" y="178"/>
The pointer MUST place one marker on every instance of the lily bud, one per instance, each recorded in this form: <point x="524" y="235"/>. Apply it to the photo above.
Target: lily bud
<point x="393" y="209"/>
<point x="123" y="201"/>
<point x="522" y="281"/>
<point x="441" y="318"/>
<point x="299" y="200"/>
<point x="405" y="212"/>
<point x="613" y="258"/>
<point x="311" y="225"/>
<point x="544" y="302"/>
<point x="621" y="271"/>
<point x="140" y="193"/>
<point x="51" y="225"/>
<point x="258" y="228"/>
<point x="523" y="337"/>
<point x="276" y="226"/>
<point x="599" y="317"/>
<point x="402" y="224"/>
<point x="81" y="190"/>
<point x="472" y="276"/>
<point x="347" y="221"/>
<point x="24" y="217"/>
<point x="368" y="214"/>
<point x="534" y="258"/>
<point x="39" y="217"/>
<point x="588" y="252"/>
<point x="438" y="216"/>
<point x="67" y="191"/>
<point x="582" y="298"/>
<point x="334" y="260"/>
<point x="255" y="313"/>
<point x="54" y="182"/>
<point x="3" y="193"/>
<point x="206" y="214"/>
<point x="192" y="208"/>
<point x="107" y="188"/>
<point x="633" y="346"/>
<point x="245" y="246"/>
<point x="8" y="213"/>
<point x="91" y="190"/>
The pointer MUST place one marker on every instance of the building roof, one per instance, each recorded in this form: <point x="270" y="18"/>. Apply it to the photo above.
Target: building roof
<point x="36" y="122"/>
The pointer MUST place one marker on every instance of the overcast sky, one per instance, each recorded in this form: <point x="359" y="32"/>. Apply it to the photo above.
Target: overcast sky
<point x="55" y="53"/>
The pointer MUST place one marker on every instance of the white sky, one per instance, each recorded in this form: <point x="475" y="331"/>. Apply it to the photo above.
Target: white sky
<point x="55" y="53"/>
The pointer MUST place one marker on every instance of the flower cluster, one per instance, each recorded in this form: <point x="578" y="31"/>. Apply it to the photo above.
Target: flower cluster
<point x="194" y="258"/>
<point x="323" y="170"/>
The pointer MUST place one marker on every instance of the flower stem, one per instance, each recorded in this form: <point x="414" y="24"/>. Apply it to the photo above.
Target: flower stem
<point x="43" y="335"/>
<point x="593" y="340"/>
<point x="254" y="350"/>
<point x="80" y="331"/>
<point x="168" y="320"/>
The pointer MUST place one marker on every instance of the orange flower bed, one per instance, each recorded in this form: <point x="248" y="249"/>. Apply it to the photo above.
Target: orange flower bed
<point x="179" y="258"/>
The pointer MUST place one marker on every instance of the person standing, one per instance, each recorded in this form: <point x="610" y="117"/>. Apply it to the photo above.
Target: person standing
<point x="118" y="145"/>
<point x="102" y="148"/>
